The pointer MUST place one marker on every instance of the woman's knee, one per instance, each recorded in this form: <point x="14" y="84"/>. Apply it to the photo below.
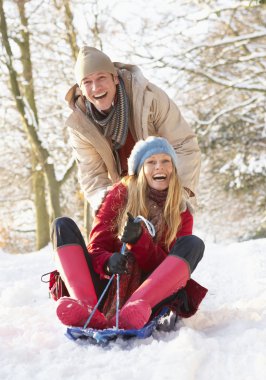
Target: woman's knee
<point x="63" y="231"/>
<point x="62" y="223"/>
<point x="191" y="248"/>
<point x="198" y="245"/>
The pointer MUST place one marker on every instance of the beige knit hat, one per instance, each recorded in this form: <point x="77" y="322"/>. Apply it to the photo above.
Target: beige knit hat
<point x="91" y="60"/>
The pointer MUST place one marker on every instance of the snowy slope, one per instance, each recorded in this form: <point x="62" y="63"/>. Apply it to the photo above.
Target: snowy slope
<point x="225" y="340"/>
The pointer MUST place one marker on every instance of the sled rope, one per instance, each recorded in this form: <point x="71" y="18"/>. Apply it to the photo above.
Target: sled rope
<point x="151" y="230"/>
<point x="148" y="224"/>
<point x="117" y="301"/>
<point x="99" y="301"/>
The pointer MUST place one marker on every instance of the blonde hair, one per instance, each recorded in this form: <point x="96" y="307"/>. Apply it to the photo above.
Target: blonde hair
<point x="136" y="203"/>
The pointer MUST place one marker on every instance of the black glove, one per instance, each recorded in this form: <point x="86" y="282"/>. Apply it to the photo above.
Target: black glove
<point x="117" y="264"/>
<point x="132" y="231"/>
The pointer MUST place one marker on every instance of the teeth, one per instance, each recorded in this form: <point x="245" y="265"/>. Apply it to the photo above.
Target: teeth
<point x="100" y="95"/>
<point x="159" y="177"/>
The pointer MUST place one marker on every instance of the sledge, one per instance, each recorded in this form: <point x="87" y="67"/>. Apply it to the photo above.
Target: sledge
<point x="103" y="337"/>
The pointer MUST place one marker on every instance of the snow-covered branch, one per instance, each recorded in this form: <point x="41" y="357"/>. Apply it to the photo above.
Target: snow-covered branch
<point x="226" y="111"/>
<point x="227" y="83"/>
<point x="226" y="41"/>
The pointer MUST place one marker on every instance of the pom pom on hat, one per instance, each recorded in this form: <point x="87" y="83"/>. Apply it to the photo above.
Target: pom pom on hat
<point x="146" y="148"/>
<point x="91" y="60"/>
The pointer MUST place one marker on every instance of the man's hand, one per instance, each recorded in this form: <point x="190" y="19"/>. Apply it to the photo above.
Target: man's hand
<point x="132" y="231"/>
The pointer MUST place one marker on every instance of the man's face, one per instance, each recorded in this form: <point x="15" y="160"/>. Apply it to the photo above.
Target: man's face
<point x="100" y="89"/>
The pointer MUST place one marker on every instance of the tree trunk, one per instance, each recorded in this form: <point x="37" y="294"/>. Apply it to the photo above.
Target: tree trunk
<point x="25" y="103"/>
<point x="53" y="193"/>
<point x="38" y="179"/>
<point x="41" y="213"/>
<point x="70" y="29"/>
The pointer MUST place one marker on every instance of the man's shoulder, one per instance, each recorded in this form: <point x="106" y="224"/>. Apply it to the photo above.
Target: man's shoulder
<point x="132" y="73"/>
<point x="127" y="67"/>
<point x="72" y="95"/>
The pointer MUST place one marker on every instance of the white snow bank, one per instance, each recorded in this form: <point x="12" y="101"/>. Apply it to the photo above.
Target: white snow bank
<point x="225" y="340"/>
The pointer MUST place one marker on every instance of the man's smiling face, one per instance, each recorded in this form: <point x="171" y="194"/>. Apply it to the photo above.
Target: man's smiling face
<point x="100" y="89"/>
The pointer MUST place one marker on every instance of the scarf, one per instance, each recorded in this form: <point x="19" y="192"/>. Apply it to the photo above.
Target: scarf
<point x="115" y="124"/>
<point x="156" y="201"/>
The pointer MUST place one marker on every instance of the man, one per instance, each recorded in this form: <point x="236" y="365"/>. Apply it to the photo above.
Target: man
<point x="113" y="106"/>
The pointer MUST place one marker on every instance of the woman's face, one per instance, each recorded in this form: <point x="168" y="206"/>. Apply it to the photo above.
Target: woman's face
<point x="158" y="169"/>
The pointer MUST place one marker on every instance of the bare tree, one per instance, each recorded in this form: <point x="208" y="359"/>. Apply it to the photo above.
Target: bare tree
<point x="22" y="89"/>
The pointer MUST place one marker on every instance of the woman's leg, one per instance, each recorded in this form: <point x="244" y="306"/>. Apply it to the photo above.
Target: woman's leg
<point x="73" y="264"/>
<point x="170" y="276"/>
<point x="64" y="231"/>
<point x="189" y="248"/>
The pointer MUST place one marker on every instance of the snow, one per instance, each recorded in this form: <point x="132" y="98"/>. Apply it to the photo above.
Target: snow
<point x="226" y="339"/>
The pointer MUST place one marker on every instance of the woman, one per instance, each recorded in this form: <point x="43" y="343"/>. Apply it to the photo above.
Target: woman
<point x="155" y="269"/>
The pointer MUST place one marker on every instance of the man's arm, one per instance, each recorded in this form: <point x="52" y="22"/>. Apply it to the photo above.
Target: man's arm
<point x="170" y="124"/>
<point x="92" y="172"/>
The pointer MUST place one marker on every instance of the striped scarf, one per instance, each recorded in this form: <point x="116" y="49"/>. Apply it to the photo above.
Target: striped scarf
<point x="115" y="124"/>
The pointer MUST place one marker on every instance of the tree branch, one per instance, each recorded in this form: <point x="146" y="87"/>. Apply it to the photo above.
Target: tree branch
<point x="225" y="111"/>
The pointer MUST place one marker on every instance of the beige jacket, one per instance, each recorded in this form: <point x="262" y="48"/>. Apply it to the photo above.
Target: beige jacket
<point x="153" y="113"/>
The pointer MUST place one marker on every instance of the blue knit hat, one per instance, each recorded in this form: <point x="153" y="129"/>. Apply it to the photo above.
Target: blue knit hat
<point x="146" y="148"/>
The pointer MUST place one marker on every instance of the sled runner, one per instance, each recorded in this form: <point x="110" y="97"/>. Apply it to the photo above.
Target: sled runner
<point x="105" y="336"/>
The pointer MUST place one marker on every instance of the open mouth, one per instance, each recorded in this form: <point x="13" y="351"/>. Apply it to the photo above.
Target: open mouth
<point x="100" y="96"/>
<point x="159" y="177"/>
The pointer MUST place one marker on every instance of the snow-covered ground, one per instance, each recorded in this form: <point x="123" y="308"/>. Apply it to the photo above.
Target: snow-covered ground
<point x="225" y="340"/>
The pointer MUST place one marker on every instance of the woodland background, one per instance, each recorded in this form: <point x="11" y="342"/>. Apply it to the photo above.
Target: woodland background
<point x="209" y="56"/>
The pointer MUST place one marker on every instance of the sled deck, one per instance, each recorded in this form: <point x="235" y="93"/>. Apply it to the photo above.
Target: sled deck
<point x="104" y="336"/>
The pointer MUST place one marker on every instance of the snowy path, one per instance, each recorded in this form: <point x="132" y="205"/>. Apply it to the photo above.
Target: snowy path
<point x="225" y="340"/>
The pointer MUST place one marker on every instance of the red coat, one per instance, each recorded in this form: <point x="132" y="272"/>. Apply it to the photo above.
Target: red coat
<point x="104" y="242"/>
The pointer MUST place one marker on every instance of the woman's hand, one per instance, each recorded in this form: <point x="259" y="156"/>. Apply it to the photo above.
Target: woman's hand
<point x="117" y="264"/>
<point x="132" y="231"/>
